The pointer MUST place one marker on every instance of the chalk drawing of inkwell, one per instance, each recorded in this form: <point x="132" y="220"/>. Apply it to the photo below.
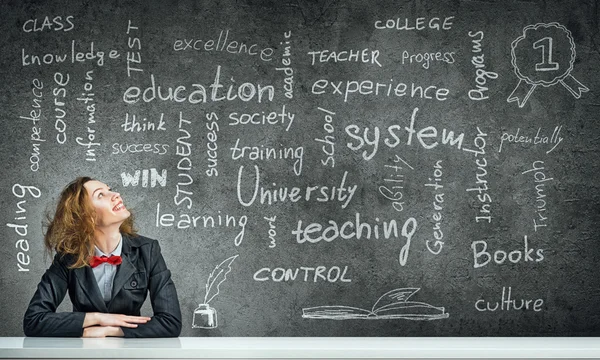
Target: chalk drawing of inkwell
<point x="205" y="316"/>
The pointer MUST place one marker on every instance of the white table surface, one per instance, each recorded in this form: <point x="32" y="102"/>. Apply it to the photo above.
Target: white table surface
<point x="286" y="348"/>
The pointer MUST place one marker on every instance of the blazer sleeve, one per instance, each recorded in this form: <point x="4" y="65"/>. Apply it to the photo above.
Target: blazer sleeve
<point x="166" y="321"/>
<point x="41" y="318"/>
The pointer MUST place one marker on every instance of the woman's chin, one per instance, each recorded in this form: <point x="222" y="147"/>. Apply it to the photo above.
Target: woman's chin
<point x="118" y="217"/>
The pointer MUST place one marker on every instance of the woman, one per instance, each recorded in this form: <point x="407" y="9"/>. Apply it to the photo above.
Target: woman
<point x="107" y="269"/>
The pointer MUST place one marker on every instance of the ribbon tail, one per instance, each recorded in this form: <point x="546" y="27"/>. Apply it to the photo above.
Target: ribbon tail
<point x="521" y="93"/>
<point x="574" y="86"/>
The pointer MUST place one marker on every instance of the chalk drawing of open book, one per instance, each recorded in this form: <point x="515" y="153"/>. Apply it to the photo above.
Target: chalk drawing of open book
<point x="391" y="305"/>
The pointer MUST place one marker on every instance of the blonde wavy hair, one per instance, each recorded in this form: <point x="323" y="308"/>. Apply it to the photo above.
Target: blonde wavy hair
<point x="71" y="231"/>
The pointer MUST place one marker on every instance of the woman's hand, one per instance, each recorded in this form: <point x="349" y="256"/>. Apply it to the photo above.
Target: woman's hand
<point x="104" y="319"/>
<point x="102" y="331"/>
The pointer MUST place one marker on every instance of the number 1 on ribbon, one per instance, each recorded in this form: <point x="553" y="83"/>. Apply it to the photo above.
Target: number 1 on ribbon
<point x="547" y="64"/>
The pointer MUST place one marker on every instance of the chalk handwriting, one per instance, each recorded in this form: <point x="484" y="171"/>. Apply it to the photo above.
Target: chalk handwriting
<point x="554" y="140"/>
<point x="334" y="231"/>
<point x="419" y="24"/>
<point x="134" y="124"/>
<point x="88" y="99"/>
<point x="272" y="230"/>
<point x="288" y="70"/>
<point x="158" y="149"/>
<point x="342" y="193"/>
<point x="223" y="44"/>
<point x="481" y="183"/>
<point x="266" y="153"/>
<point x="383" y="89"/>
<point x="20" y="225"/>
<point x="482" y="257"/>
<point x="198" y="94"/>
<point x="328" y="140"/>
<point x="426" y="59"/>
<point x="263" y="118"/>
<point x="34" y="116"/>
<point x="436" y="184"/>
<point x="508" y="304"/>
<point x="211" y="144"/>
<point x="366" y="56"/>
<point x="186" y="221"/>
<point x="429" y="132"/>
<point x="393" y="192"/>
<point x="134" y="45"/>
<point x="540" y="204"/>
<point x="147" y="174"/>
<point x="481" y="74"/>
<point x="77" y="56"/>
<point x="56" y="23"/>
<point x="60" y="92"/>
<point x="183" y="149"/>
<point x="315" y="274"/>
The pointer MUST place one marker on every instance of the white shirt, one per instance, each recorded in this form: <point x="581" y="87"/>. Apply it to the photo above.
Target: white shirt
<point x="105" y="272"/>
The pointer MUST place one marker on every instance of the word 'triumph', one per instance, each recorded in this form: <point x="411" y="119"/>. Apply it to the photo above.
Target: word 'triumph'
<point x="540" y="204"/>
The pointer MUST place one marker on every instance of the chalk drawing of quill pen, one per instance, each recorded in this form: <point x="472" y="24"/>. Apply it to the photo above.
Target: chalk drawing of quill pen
<point x="205" y="316"/>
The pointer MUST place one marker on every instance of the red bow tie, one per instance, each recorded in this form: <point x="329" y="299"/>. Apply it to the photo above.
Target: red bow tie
<point x="113" y="260"/>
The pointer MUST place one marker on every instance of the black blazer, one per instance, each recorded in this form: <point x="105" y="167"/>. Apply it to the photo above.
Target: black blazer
<point x="143" y="270"/>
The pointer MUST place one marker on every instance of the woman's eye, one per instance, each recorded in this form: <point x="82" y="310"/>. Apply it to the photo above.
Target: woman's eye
<point x="101" y="194"/>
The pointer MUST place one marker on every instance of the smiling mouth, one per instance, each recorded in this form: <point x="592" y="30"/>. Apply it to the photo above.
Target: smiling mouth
<point x="119" y="207"/>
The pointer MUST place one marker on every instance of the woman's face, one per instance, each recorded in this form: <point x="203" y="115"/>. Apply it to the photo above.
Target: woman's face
<point x="109" y="206"/>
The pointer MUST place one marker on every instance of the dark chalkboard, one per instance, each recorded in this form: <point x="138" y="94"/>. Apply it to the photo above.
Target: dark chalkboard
<point x="350" y="168"/>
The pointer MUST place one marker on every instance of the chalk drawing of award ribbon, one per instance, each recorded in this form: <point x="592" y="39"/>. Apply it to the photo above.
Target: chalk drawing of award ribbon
<point x="542" y="38"/>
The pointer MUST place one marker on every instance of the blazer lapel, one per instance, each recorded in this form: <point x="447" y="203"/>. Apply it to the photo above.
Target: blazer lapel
<point x="126" y="269"/>
<point x="87" y="281"/>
